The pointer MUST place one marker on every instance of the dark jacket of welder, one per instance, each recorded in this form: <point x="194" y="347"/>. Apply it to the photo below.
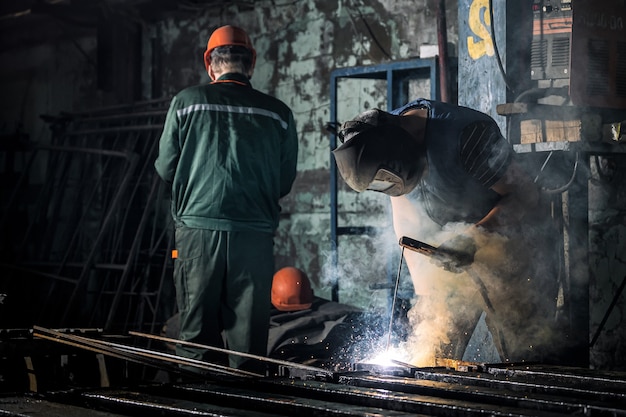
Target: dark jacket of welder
<point x="450" y="192"/>
<point x="218" y="150"/>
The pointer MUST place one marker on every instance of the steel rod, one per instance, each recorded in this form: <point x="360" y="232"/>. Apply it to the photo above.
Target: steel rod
<point x="395" y="296"/>
<point x="132" y="255"/>
<point x="117" y="199"/>
<point x="121" y="351"/>
<point x="234" y="352"/>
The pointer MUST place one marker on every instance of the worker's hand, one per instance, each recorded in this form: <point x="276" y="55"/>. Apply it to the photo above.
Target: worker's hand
<point x="455" y="254"/>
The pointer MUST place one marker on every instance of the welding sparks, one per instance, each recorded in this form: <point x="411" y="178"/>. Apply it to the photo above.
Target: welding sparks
<point x="388" y="357"/>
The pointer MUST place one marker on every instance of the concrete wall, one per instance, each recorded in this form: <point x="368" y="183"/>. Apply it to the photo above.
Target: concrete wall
<point x="298" y="45"/>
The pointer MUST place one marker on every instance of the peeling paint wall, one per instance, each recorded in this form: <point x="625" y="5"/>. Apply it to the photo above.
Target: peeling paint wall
<point x="298" y="45"/>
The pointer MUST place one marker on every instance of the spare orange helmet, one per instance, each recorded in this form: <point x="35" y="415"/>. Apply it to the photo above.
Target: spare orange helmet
<point x="291" y="290"/>
<point x="228" y="36"/>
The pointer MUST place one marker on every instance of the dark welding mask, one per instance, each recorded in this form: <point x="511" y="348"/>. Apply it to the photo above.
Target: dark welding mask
<point x="383" y="158"/>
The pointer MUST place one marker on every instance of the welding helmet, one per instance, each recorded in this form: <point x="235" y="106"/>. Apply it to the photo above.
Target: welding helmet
<point x="291" y="290"/>
<point x="378" y="155"/>
<point x="228" y="36"/>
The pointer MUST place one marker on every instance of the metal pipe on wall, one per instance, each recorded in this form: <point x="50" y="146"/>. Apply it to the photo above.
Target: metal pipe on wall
<point x="442" y="41"/>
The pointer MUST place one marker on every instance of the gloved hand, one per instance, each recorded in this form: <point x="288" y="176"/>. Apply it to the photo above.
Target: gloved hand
<point x="455" y="254"/>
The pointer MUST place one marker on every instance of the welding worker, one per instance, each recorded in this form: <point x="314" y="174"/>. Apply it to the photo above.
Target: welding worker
<point x="443" y="164"/>
<point x="229" y="152"/>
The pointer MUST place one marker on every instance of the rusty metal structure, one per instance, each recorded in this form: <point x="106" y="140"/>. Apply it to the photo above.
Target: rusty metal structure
<point x="87" y="245"/>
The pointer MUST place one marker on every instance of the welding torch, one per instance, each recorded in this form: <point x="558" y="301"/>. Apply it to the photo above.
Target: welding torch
<point x="451" y="260"/>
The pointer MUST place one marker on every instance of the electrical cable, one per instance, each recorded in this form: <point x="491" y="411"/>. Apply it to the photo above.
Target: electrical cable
<point x="495" y="48"/>
<point x="566" y="186"/>
<point x="539" y="93"/>
<point x="371" y="32"/>
<point x="374" y="38"/>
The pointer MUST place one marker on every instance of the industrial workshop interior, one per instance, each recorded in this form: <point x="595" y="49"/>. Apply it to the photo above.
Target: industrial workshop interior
<point x="89" y="318"/>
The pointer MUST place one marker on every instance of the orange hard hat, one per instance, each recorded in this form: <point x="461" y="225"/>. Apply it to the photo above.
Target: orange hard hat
<point x="291" y="290"/>
<point x="225" y="36"/>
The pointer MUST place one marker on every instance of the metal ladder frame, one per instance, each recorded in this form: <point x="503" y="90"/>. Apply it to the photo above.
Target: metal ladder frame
<point x="397" y="74"/>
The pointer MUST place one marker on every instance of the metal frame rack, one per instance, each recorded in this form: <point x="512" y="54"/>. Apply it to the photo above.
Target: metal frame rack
<point x="87" y="221"/>
<point x="397" y="74"/>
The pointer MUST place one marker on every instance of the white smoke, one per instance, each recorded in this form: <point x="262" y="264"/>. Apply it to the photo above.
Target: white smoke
<point x="504" y="283"/>
<point x="507" y="280"/>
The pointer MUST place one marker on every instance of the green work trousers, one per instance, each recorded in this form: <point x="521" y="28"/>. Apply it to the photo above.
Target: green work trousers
<point x="223" y="282"/>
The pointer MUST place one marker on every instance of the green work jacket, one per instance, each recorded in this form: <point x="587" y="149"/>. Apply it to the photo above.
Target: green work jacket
<point x="229" y="152"/>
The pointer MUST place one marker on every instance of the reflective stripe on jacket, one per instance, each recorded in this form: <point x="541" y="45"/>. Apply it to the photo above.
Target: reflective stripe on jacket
<point x="230" y="153"/>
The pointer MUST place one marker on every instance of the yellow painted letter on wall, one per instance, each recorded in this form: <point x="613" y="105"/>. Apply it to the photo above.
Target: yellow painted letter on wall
<point x="479" y="21"/>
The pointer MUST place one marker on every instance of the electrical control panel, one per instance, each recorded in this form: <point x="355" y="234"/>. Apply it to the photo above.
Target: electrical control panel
<point x="552" y="29"/>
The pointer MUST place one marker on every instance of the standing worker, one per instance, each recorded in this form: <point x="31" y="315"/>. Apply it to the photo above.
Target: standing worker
<point x="229" y="153"/>
<point x="446" y="165"/>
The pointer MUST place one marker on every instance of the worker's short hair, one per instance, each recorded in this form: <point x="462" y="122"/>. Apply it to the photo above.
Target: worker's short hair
<point x="235" y="58"/>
